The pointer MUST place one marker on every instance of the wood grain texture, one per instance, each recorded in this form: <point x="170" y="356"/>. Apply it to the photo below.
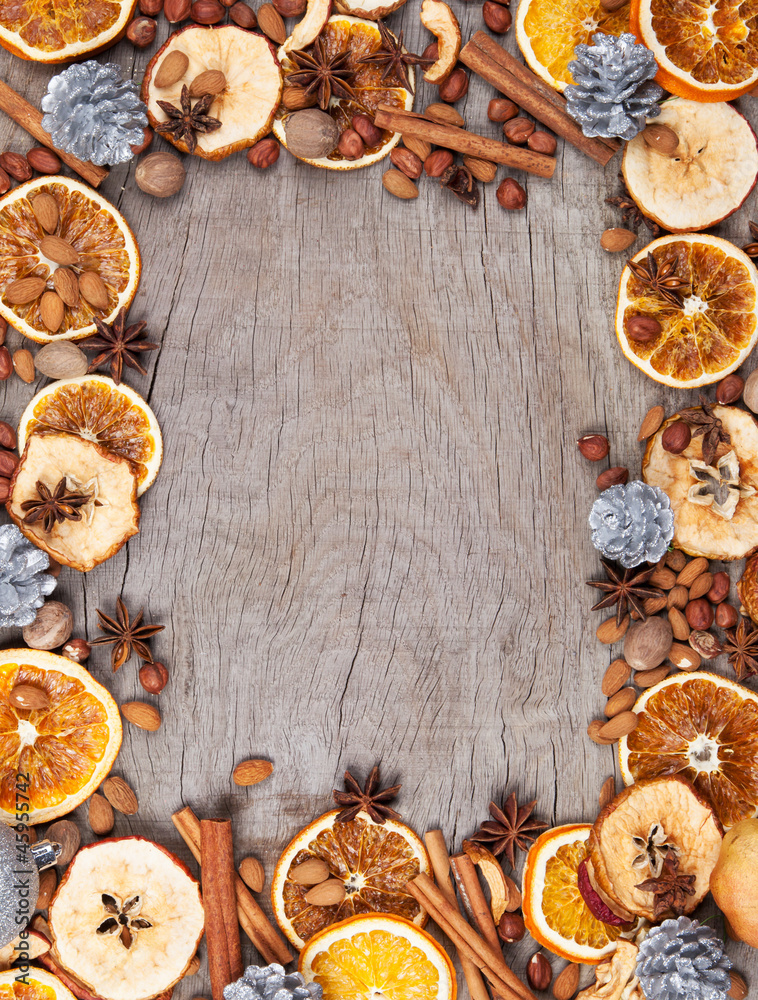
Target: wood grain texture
<point x="369" y="540"/>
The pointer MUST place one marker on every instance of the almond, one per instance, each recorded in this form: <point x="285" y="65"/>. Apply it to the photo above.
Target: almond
<point x="651" y="422"/>
<point x="46" y="211"/>
<point x="607" y="792"/>
<point x="171" y="70"/>
<point x="684" y="657"/>
<point x="652" y="605"/>
<point x="29" y="698"/>
<point x="23" y="362"/>
<point x="396" y="182"/>
<point x="252" y="874"/>
<point x="120" y="795"/>
<point x="48" y="883"/>
<point x="58" y="250"/>
<point x="22" y="291"/>
<point x="65" y="833"/>
<point x="66" y="285"/>
<point x="566" y="983"/>
<point x="701" y="585"/>
<point x="615" y="240"/>
<point x="100" y="815"/>
<point x="738" y="987"/>
<point x="443" y="114"/>
<point x="619" y="702"/>
<point x="270" y="22"/>
<point x="142" y="715"/>
<point x="679" y="625"/>
<point x="250" y="772"/>
<point x="615" y="677"/>
<point x="310" y="872"/>
<point x="329" y="893"/>
<point x="51" y="310"/>
<point x="61" y="359"/>
<point x="677" y="560"/>
<point x="692" y="571"/>
<point x="608" y="631"/>
<point x="661" y="138"/>
<point x="663" y="577"/>
<point x="593" y="731"/>
<point x="649" y="678"/>
<point x="92" y="289"/>
<point x="420" y="147"/>
<point x="212" y="81"/>
<point x="620" y="725"/>
<point x="43" y="160"/>
<point x="679" y="597"/>
<point x="483" y="170"/>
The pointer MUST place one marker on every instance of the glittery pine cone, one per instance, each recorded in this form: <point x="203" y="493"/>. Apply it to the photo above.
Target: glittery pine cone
<point x="613" y="91"/>
<point x="632" y="524"/>
<point x="93" y="113"/>
<point x="23" y="581"/>
<point x="271" y="983"/>
<point x="683" y="960"/>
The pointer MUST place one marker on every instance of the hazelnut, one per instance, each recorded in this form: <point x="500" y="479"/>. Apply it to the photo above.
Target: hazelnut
<point x="593" y="447"/>
<point x="455" y="87"/>
<point x="141" y="32"/>
<point x="616" y="476"/>
<point x="407" y="161"/>
<point x="147" y="141"/>
<point x="518" y="130"/>
<point x="8" y="462"/>
<point x="295" y="99"/>
<point x="511" y="927"/>
<point x="51" y="628"/>
<point x="243" y="16"/>
<point x="351" y="146"/>
<point x="150" y="8"/>
<point x="542" y="142"/>
<point x="160" y="174"/>
<point x="311" y="133"/>
<point x="729" y="389"/>
<point x="176" y="10"/>
<point x="43" y="160"/>
<point x="364" y="126"/>
<point x="5" y="489"/>
<point x="511" y="195"/>
<point x="7" y="435"/>
<point x="749" y="393"/>
<point x="432" y="51"/>
<point x="153" y="677"/>
<point x="206" y="11"/>
<point x="437" y="162"/>
<point x="496" y="17"/>
<point x="264" y="153"/>
<point x="642" y="329"/>
<point x="77" y="650"/>
<point x="500" y="109"/>
<point x="290" y="8"/>
<point x="726" y="616"/>
<point x="719" y="588"/>
<point x="5" y="181"/>
<point x="699" y="614"/>
<point x="539" y="972"/>
<point x="676" y="437"/>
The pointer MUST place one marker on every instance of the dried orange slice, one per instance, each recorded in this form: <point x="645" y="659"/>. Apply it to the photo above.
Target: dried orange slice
<point x="359" y="37"/>
<point x="98" y="233"/>
<point x="39" y="985"/>
<point x="548" y="31"/>
<point x="704" y="728"/>
<point x="373" y="861"/>
<point x="67" y="29"/>
<point x="715" y="327"/>
<point x="97" y="409"/>
<point x="378" y="956"/>
<point x="64" y="751"/>
<point x="555" y="913"/>
<point x="704" y="51"/>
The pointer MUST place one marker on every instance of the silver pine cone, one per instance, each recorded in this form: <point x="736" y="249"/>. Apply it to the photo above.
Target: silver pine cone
<point x="683" y="960"/>
<point x="613" y="91"/>
<point x="94" y="114"/>
<point x="632" y="524"/>
<point x="24" y="584"/>
<point x="271" y="982"/>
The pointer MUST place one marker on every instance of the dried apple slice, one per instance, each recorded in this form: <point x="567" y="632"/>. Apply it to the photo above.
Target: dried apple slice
<point x="247" y="105"/>
<point x="706" y="178"/>
<point x="373" y="10"/>
<point x="442" y="22"/>
<point x="494" y="876"/>
<point x="310" y="26"/>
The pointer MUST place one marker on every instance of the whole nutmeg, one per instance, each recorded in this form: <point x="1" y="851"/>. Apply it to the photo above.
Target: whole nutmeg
<point x="177" y="10"/>
<point x="206" y="11"/>
<point x="749" y="393"/>
<point x="264" y="153"/>
<point x="351" y="146"/>
<point x="518" y="130"/>
<point x="497" y="17"/>
<point x="511" y="195"/>
<point x="160" y="174"/>
<point x="699" y="614"/>
<point x="647" y="644"/>
<point x="676" y="437"/>
<point x="539" y="972"/>
<point x="719" y="588"/>
<point x="729" y="389"/>
<point x="77" y="650"/>
<point x="542" y="142"/>
<point x="511" y="927"/>
<point x="500" y="109"/>
<point x="593" y="447"/>
<point x="290" y="8"/>
<point x="437" y="162"/>
<point x="726" y="616"/>
<point x="408" y="162"/>
<point x="51" y="628"/>
<point x="642" y="329"/>
<point x="243" y="15"/>
<point x="311" y="133"/>
<point x="364" y="126"/>
<point x="153" y="677"/>
<point x="455" y="87"/>
<point x="141" y="31"/>
<point x="43" y="160"/>
<point x="616" y="476"/>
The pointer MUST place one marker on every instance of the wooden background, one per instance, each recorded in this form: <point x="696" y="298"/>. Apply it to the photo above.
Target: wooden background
<point x="369" y="539"/>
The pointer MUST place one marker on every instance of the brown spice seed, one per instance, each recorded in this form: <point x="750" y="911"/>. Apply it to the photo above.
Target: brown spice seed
<point x="651" y="422"/>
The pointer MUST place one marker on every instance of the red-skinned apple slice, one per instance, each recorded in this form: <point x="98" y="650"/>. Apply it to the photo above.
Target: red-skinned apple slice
<point x="442" y="22"/>
<point x="309" y="27"/>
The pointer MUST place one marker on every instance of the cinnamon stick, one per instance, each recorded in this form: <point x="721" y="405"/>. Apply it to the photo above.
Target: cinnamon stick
<point x="452" y="137"/>
<point x="527" y="97"/>
<point x="474" y="900"/>
<point x="252" y="919"/>
<point x="29" y="118"/>
<point x="435" y="844"/>
<point x="222" y="933"/>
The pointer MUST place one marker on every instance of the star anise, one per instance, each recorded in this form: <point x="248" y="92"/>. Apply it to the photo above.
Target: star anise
<point x="394" y="58"/>
<point x="184" y="122"/>
<point x="707" y="424"/>
<point x="119" y="344"/>
<point x="511" y="828"/>
<point x="128" y="635"/>
<point x="626" y="589"/>
<point x="670" y="888"/>
<point x="660" y="279"/>
<point x="461" y="182"/>
<point x="741" y="646"/>
<point x="370" y="799"/>
<point x="751" y="248"/>
<point x="320" y="73"/>
<point x="56" y="506"/>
